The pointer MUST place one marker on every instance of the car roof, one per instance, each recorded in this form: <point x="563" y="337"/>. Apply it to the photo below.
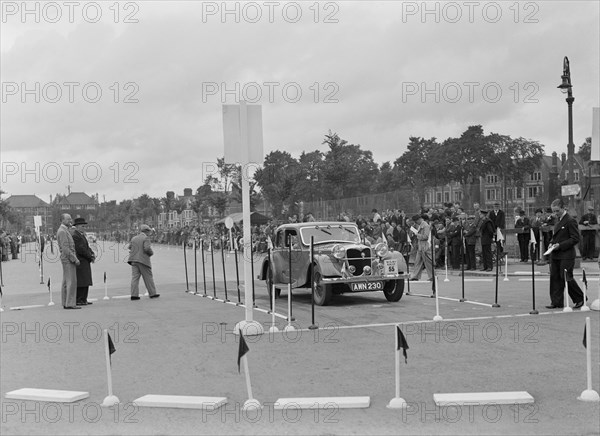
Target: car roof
<point x="315" y="223"/>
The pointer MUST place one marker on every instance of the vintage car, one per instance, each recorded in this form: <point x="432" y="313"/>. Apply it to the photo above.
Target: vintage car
<point x="342" y="262"/>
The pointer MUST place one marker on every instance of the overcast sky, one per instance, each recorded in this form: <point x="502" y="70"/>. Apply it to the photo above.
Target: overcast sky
<point x="373" y="72"/>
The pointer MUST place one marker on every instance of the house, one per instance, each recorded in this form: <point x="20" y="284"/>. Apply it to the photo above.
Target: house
<point x="29" y="206"/>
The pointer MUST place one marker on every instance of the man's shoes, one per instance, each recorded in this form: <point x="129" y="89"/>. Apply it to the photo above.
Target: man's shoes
<point x="81" y="304"/>
<point x="552" y="306"/>
<point x="72" y="307"/>
<point x="578" y="305"/>
<point x="88" y="303"/>
<point x="155" y="296"/>
<point x="413" y="279"/>
<point x="135" y="298"/>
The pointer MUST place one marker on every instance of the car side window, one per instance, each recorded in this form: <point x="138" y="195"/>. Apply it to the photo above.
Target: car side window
<point x="293" y="235"/>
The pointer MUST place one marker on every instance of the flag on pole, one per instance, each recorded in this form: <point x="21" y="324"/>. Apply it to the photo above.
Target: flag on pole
<point x="499" y="236"/>
<point x="243" y="349"/>
<point x="104" y="276"/>
<point x="48" y="284"/>
<point x="1" y="295"/>
<point x="235" y="244"/>
<point x="532" y="239"/>
<point x="584" y="279"/>
<point x="584" y="336"/>
<point x="402" y="343"/>
<point x="111" y="347"/>
<point x="269" y="243"/>
<point x="42" y="243"/>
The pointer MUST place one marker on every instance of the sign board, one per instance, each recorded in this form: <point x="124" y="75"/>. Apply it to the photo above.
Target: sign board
<point x="596" y="133"/>
<point x="229" y="222"/>
<point x="391" y="267"/>
<point x="567" y="190"/>
<point x="232" y="131"/>
<point x="37" y="221"/>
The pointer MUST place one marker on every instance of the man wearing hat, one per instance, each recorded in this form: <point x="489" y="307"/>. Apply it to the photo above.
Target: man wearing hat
<point x="487" y="237"/>
<point x="588" y="237"/>
<point x="86" y="256"/>
<point x="139" y="259"/>
<point x="69" y="262"/>
<point x="470" y="241"/>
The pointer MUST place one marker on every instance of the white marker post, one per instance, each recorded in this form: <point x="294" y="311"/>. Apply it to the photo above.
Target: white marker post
<point x="437" y="316"/>
<point x="242" y="129"/>
<point x="446" y="262"/>
<point x="51" y="303"/>
<point x="566" y="306"/>
<point x="585" y="307"/>
<point x="106" y="297"/>
<point x="397" y="402"/>
<point x="589" y="394"/>
<point x="506" y="268"/>
<point x="111" y="400"/>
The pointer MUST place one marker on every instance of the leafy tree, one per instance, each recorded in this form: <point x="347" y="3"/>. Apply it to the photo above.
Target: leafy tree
<point x="465" y="159"/>
<point x="585" y="150"/>
<point x="311" y="179"/>
<point x="277" y="179"/>
<point x="416" y="167"/>
<point x="348" y="170"/>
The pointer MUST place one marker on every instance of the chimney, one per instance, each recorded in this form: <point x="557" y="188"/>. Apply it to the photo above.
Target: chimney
<point x="554" y="160"/>
<point x="563" y="158"/>
<point x="187" y="192"/>
<point x="50" y="198"/>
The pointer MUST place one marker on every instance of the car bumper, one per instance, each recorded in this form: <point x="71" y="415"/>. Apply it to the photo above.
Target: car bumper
<point x="332" y="280"/>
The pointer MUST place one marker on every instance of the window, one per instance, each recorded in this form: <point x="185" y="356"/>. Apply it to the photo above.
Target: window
<point x="509" y="193"/>
<point x="492" y="178"/>
<point x="427" y="197"/>
<point x="519" y="192"/>
<point x="576" y="174"/>
<point x="446" y="197"/>
<point x="534" y="191"/>
<point x="535" y="176"/>
<point x="438" y="197"/>
<point x="490" y="194"/>
<point x="458" y="196"/>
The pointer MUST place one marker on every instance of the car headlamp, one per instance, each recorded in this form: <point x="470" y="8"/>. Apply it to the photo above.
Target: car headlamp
<point x="338" y="251"/>
<point x="381" y="249"/>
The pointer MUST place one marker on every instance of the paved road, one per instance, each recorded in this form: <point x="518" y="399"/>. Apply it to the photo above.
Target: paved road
<point x="183" y="344"/>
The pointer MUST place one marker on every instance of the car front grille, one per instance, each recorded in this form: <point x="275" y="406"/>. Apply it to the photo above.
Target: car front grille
<point x="356" y="259"/>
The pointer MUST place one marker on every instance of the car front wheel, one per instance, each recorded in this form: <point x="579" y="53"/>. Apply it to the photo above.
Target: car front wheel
<point x="322" y="292"/>
<point x="393" y="290"/>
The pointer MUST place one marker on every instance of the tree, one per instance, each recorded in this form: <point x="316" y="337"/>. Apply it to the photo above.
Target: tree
<point x="585" y="150"/>
<point x="465" y="158"/>
<point x="416" y="167"/>
<point x="349" y="171"/>
<point x="278" y="179"/>
<point x="311" y="178"/>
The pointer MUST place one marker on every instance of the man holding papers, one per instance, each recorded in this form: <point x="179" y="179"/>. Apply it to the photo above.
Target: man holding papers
<point x="562" y="257"/>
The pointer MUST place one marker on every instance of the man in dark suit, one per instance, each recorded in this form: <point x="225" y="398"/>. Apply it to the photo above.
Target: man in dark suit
<point x="565" y="237"/>
<point x="139" y="259"/>
<point x="86" y="256"/>
<point x="498" y="219"/>
<point x="487" y="236"/>
<point x="588" y="243"/>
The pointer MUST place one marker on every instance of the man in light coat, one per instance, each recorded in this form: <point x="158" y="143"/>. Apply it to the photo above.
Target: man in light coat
<point x="139" y="259"/>
<point x="69" y="262"/>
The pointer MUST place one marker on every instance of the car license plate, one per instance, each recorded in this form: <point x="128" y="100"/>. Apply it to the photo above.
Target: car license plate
<point x="367" y="286"/>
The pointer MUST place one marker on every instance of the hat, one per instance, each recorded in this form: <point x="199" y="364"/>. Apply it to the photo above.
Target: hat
<point x="539" y="210"/>
<point x="471" y="217"/>
<point x="145" y="228"/>
<point x="425" y="217"/>
<point x="590" y="207"/>
<point x="79" y="221"/>
<point x="496" y="204"/>
<point x="483" y="211"/>
<point x="416" y="217"/>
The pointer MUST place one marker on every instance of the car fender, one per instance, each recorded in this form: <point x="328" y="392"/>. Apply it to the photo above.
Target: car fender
<point x="327" y="267"/>
<point x="393" y="255"/>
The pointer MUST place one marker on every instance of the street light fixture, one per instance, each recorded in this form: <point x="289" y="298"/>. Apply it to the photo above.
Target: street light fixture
<point x="566" y="87"/>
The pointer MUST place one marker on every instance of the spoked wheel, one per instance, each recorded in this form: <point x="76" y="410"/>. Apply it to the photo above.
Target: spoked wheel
<point x="322" y="292"/>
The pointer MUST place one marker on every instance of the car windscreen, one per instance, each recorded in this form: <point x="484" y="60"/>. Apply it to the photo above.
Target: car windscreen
<point x="330" y="233"/>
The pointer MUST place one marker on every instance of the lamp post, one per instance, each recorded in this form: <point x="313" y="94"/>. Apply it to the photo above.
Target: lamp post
<point x="567" y="88"/>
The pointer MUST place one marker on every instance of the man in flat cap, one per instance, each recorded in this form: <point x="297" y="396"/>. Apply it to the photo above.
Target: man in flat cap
<point x="487" y="237"/>
<point x="139" y="259"/>
<point x="86" y="256"/>
<point x="423" y="258"/>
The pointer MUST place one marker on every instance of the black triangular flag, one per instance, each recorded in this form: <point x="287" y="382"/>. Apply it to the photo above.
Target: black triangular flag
<point x="48" y="284"/>
<point x="584" y="279"/>
<point x="402" y="343"/>
<point x="243" y="349"/>
<point x="111" y="348"/>
<point x="584" y="336"/>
